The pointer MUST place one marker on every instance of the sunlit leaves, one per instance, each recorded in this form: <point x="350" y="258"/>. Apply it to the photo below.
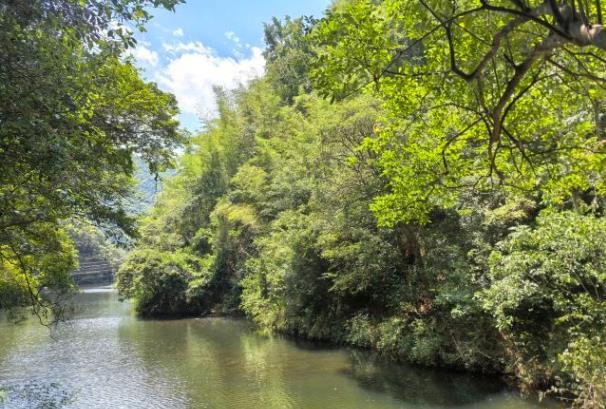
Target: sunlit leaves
<point x="439" y="134"/>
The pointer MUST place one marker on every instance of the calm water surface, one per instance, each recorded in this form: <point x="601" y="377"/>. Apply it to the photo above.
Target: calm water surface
<point x="106" y="358"/>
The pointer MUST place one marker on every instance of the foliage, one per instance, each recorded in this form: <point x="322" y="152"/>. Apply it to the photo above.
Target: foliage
<point x="72" y="115"/>
<point x="289" y="56"/>
<point x="88" y="22"/>
<point x="189" y="215"/>
<point x="92" y="240"/>
<point x="472" y="100"/>
<point x="547" y="298"/>
<point x="37" y="260"/>
<point x="474" y="127"/>
<point x="157" y="281"/>
<point x="405" y="216"/>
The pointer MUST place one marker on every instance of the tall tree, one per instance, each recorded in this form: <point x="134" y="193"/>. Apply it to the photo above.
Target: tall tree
<point x="288" y="55"/>
<point x="72" y="115"/>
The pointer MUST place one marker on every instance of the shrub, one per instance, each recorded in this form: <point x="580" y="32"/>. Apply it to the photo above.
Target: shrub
<point x="548" y="300"/>
<point x="158" y="282"/>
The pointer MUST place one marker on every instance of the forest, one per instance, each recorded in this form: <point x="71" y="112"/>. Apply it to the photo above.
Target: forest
<point x="422" y="178"/>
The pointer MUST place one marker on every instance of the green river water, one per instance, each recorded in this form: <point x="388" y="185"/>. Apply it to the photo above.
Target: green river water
<point x="104" y="357"/>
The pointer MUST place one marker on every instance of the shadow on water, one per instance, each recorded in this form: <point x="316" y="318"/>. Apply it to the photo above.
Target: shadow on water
<point x="309" y="345"/>
<point x="414" y="385"/>
<point x="419" y="386"/>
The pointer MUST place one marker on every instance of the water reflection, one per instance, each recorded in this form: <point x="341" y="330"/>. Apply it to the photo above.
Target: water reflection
<point x="420" y="386"/>
<point x="106" y="358"/>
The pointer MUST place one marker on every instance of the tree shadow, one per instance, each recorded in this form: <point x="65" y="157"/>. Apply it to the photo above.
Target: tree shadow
<point x="420" y="386"/>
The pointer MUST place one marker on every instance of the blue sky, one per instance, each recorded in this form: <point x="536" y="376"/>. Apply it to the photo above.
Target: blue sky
<point x="210" y="42"/>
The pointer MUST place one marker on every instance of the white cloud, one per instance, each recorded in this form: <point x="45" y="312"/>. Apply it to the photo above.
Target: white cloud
<point x="194" y="46"/>
<point x="237" y="51"/>
<point x="178" y="32"/>
<point x="196" y="69"/>
<point x="144" y="55"/>
<point x="231" y="36"/>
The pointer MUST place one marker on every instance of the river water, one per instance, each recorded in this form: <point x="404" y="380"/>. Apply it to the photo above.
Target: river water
<point x="107" y="358"/>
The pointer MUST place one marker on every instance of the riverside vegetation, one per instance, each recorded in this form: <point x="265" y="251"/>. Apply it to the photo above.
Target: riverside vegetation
<point x="73" y="112"/>
<point x="423" y="178"/>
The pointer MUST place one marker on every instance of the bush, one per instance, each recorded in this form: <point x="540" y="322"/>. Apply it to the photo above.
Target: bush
<point x="547" y="297"/>
<point x="158" y="282"/>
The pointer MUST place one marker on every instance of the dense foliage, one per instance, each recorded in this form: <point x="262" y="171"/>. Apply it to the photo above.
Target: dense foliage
<point x="446" y="207"/>
<point x="473" y="100"/>
<point x="72" y="115"/>
<point x="338" y="221"/>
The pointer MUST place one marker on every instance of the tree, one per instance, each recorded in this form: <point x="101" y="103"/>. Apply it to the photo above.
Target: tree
<point x="472" y="95"/>
<point x="72" y="115"/>
<point x="191" y="214"/>
<point x="288" y="55"/>
<point x="87" y="22"/>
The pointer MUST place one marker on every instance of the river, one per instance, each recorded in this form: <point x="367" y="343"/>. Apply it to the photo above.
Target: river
<point x="104" y="357"/>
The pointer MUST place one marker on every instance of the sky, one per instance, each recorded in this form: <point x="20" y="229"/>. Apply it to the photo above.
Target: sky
<point x="207" y="43"/>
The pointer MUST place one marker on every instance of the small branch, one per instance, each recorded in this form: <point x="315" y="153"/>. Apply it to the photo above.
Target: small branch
<point x="583" y="13"/>
<point x="555" y="10"/>
<point x="497" y="112"/>
<point x="520" y="147"/>
<point x="454" y="138"/>
<point x="531" y="15"/>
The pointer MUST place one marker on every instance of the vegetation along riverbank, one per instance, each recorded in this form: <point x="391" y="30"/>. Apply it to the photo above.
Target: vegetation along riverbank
<point x="422" y="178"/>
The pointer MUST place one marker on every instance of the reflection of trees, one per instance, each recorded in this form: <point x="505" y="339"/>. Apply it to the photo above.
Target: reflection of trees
<point x="245" y="369"/>
<point x="26" y="386"/>
<point x="212" y="361"/>
<point x="26" y="335"/>
<point x="9" y="333"/>
<point x="264" y="365"/>
<point x="419" y="385"/>
<point x="154" y="350"/>
<point x="25" y="389"/>
<point x="225" y="364"/>
<point x="96" y="303"/>
<point x="19" y="390"/>
<point x="220" y="363"/>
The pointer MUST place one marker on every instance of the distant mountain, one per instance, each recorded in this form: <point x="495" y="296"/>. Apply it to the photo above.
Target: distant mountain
<point x="148" y="187"/>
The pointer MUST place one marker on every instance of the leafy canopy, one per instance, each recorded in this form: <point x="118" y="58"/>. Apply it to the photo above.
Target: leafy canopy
<point x="72" y="115"/>
<point x="473" y="96"/>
